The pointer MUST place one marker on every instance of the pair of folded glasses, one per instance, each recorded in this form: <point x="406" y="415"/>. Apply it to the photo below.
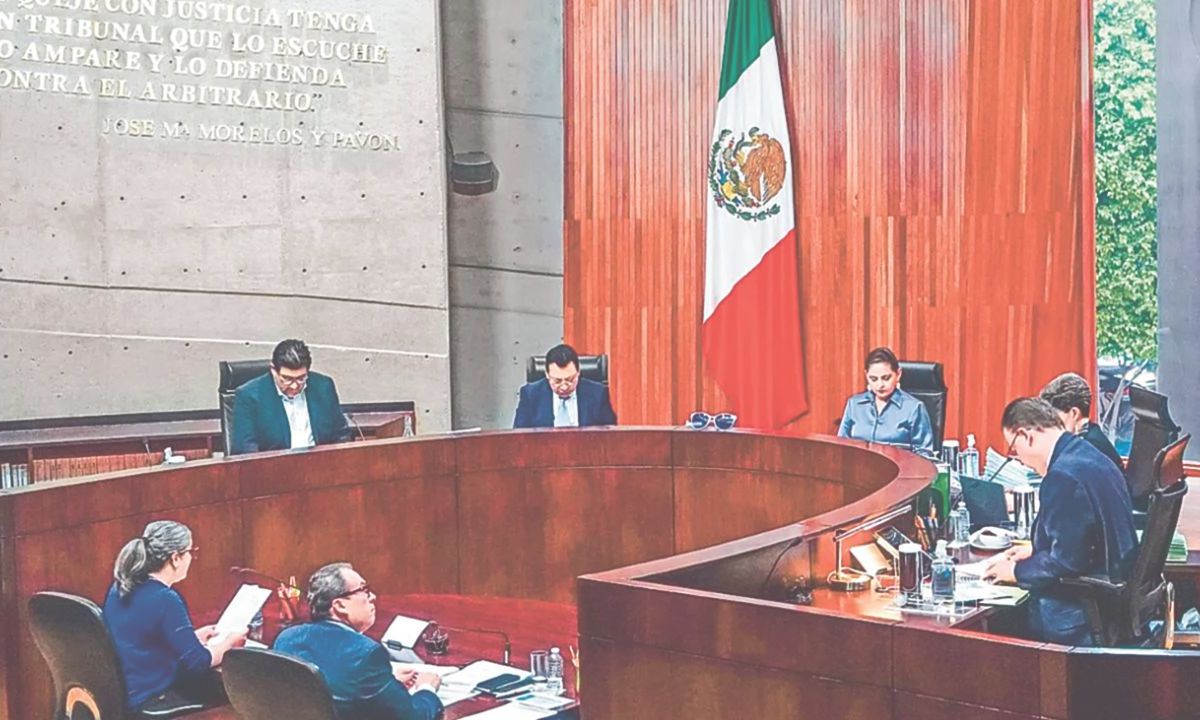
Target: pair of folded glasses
<point x="701" y="420"/>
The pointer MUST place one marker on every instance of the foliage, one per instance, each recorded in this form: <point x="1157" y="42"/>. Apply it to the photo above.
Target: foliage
<point x="1126" y="181"/>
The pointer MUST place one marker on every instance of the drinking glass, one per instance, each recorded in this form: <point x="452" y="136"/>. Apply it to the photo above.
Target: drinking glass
<point x="539" y="666"/>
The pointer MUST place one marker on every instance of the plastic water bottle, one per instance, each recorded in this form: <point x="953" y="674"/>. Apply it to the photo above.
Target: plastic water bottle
<point x="963" y="531"/>
<point x="969" y="458"/>
<point x="256" y="627"/>
<point x="554" y="676"/>
<point x="943" y="574"/>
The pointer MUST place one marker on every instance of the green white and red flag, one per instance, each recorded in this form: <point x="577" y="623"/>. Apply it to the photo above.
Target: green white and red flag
<point x="751" y="337"/>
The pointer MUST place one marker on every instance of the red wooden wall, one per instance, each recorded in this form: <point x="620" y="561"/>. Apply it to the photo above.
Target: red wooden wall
<point x="944" y="191"/>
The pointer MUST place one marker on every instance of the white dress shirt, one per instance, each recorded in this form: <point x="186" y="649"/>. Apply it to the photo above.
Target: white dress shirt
<point x="296" y="410"/>
<point x="572" y="403"/>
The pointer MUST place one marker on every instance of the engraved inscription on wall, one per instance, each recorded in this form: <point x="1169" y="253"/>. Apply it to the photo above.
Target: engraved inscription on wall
<point x="247" y="72"/>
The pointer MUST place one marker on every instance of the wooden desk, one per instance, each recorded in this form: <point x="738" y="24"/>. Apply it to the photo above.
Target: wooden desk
<point x="685" y="541"/>
<point x="58" y="448"/>
<point x="882" y="606"/>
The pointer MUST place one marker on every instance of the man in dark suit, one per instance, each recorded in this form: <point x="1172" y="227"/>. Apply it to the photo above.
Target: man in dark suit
<point x="289" y="407"/>
<point x="357" y="669"/>
<point x="1084" y="526"/>
<point x="1071" y="397"/>
<point x="563" y="398"/>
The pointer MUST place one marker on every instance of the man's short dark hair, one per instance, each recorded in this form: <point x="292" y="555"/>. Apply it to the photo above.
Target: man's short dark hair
<point x="882" y="355"/>
<point x="562" y="356"/>
<point x="1031" y="414"/>
<point x="291" y="354"/>
<point x="326" y="585"/>
<point x="1067" y="391"/>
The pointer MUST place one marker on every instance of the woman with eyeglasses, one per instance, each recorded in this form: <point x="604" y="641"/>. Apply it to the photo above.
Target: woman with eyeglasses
<point x="165" y="660"/>
<point x="885" y="413"/>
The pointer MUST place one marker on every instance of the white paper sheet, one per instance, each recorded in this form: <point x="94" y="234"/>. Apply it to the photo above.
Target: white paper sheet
<point x="513" y="711"/>
<point x="481" y="670"/>
<point x="241" y="610"/>
<point x="974" y="570"/>
<point x="543" y="701"/>
<point x="448" y="694"/>
<point x="439" y="670"/>
<point x="405" y="631"/>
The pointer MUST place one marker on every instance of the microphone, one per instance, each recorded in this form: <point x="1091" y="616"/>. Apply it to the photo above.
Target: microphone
<point x="996" y="472"/>
<point x="151" y="459"/>
<point x="350" y="417"/>
<point x="762" y="592"/>
<point x="483" y="631"/>
<point x="283" y="590"/>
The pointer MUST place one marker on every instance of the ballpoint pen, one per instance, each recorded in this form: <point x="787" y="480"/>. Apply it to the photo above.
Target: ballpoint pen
<point x="575" y="662"/>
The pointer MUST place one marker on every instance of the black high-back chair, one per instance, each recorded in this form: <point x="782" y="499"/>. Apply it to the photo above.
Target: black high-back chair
<point x="592" y="367"/>
<point x="88" y="683"/>
<point x="234" y="374"/>
<point x="265" y="685"/>
<point x="1120" y="612"/>
<point x="1153" y="430"/>
<point x="925" y="382"/>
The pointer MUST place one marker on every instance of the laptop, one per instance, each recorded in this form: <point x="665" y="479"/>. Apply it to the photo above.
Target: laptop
<point x="985" y="501"/>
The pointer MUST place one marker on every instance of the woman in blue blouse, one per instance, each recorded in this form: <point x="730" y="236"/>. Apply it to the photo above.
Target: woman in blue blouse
<point x="885" y="413"/>
<point x="163" y="657"/>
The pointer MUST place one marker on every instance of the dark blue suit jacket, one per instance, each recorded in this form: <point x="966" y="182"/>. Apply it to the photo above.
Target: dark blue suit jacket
<point x="536" y="407"/>
<point x="1084" y="527"/>
<point x="358" y="672"/>
<point x="1094" y="435"/>
<point x="260" y="422"/>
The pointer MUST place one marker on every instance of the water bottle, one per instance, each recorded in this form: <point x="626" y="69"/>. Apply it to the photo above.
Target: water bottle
<point x="962" y="533"/>
<point x="554" y="676"/>
<point x="256" y="627"/>
<point x="969" y="458"/>
<point x="943" y="574"/>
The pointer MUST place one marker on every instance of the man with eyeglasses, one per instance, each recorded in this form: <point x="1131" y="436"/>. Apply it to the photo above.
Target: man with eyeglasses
<point x="356" y="669"/>
<point x="1084" y="526"/>
<point x="290" y="407"/>
<point x="563" y="398"/>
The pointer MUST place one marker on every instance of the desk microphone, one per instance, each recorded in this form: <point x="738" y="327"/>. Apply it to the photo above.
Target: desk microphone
<point x="503" y="635"/>
<point x="766" y="581"/>
<point x="151" y="459"/>
<point x="996" y="472"/>
<point x="350" y="417"/>
<point x="282" y="589"/>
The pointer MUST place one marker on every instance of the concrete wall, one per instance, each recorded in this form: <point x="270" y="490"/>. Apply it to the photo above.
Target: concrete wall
<point x="503" y="72"/>
<point x="130" y="264"/>
<point x="1178" y="49"/>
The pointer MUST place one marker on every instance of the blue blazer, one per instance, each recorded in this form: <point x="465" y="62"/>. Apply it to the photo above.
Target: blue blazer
<point x="260" y="422"/>
<point x="1084" y="527"/>
<point x="535" y="408"/>
<point x="358" y="672"/>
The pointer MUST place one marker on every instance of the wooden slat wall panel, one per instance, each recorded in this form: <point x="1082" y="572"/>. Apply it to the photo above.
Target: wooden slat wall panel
<point x="943" y="162"/>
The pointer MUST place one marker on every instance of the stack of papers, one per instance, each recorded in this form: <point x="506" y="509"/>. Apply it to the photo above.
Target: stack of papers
<point x="1012" y="475"/>
<point x="514" y="711"/>
<point x="241" y="610"/>
<point x="1178" y="551"/>
<point x="448" y="694"/>
<point x="480" y="671"/>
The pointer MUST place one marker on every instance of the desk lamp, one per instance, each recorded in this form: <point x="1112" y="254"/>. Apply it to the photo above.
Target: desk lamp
<point x="848" y="579"/>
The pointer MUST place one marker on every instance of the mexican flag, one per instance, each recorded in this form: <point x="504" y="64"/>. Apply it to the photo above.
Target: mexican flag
<point x="751" y="336"/>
